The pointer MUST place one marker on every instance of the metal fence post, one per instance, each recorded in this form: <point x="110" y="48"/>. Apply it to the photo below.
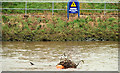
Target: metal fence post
<point x="105" y="9"/>
<point x="25" y="7"/>
<point x="1" y="21"/>
<point x="52" y="8"/>
<point x="0" y="12"/>
<point x="80" y="7"/>
<point x="1" y="8"/>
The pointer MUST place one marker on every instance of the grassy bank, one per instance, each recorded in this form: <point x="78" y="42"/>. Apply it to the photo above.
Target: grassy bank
<point x="56" y="28"/>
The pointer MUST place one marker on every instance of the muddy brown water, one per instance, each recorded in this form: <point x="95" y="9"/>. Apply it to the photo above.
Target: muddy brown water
<point x="98" y="56"/>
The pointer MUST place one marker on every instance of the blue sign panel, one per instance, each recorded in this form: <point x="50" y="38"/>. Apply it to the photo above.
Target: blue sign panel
<point x="73" y="7"/>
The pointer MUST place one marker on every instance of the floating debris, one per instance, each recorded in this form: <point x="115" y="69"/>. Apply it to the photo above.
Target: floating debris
<point x="67" y="63"/>
<point x="31" y="63"/>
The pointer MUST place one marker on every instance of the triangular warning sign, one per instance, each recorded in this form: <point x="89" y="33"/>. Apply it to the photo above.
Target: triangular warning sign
<point x="73" y="4"/>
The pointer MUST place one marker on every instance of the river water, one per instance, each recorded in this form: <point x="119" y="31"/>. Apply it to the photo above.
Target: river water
<point x="97" y="56"/>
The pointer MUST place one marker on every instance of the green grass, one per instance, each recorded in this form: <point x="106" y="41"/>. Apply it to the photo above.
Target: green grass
<point x="56" y="6"/>
<point x="55" y="28"/>
<point x="19" y="28"/>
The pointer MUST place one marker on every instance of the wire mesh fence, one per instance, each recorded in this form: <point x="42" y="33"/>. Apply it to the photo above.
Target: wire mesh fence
<point x="27" y="6"/>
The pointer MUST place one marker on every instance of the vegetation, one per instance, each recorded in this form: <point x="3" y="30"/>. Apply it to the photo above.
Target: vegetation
<point x="56" y="28"/>
<point x="57" y="6"/>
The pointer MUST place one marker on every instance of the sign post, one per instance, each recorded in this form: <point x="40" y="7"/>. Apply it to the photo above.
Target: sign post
<point x="73" y="7"/>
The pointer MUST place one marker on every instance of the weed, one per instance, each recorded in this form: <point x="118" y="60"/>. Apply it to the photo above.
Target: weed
<point x="56" y="29"/>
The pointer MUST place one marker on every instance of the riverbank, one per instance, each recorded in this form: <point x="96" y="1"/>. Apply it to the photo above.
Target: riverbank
<point x="57" y="28"/>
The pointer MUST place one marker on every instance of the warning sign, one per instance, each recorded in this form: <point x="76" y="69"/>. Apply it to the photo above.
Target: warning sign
<point x="73" y="7"/>
<point x="73" y="4"/>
